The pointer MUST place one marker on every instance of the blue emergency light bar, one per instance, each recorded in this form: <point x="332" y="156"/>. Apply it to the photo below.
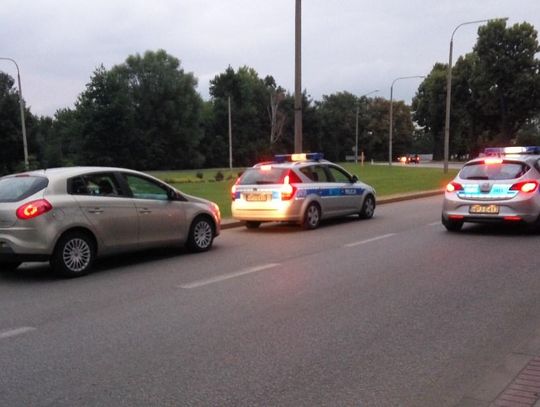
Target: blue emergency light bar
<point x="513" y="150"/>
<point x="281" y="158"/>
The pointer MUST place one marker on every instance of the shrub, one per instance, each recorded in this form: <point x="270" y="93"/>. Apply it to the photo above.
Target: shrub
<point x="199" y="175"/>
<point x="219" y="176"/>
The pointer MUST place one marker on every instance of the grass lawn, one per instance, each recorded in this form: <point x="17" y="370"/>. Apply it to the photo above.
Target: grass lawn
<point x="386" y="180"/>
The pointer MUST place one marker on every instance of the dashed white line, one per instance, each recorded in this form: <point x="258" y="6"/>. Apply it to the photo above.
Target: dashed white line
<point x="223" y="277"/>
<point x="15" y="332"/>
<point x="435" y="223"/>
<point x="373" y="239"/>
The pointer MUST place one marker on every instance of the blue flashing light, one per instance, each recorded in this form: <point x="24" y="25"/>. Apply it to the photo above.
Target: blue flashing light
<point x="281" y="158"/>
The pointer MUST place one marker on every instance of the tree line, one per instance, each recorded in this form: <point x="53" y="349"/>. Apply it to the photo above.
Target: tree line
<point x="147" y="114"/>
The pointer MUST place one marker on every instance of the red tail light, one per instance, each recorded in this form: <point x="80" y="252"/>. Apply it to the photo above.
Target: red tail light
<point x="287" y="190"/>
<point x="233" y="189"/>
<point x="454" y="186"/>
<point x="33" y="209"/>
<point x="525" y="186"/>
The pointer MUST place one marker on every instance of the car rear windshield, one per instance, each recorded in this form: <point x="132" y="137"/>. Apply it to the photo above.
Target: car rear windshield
<point x="260" y="176"/>
<point x="499" y="171"/>
<point x="14" y="189"/>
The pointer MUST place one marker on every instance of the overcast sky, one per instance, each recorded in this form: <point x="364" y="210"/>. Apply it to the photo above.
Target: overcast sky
<point x="353" y="45"/>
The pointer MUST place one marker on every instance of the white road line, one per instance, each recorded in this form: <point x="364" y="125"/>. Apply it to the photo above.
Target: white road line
<point x="217" y="279"/>
<point x="373" y="239"/>
<point x="435" y="223"/>
<point x="15" y="332"/>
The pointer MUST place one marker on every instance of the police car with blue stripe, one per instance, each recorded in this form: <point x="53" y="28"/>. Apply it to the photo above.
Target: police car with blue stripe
<point x="499" y="186"/>
<point x="300" y="188"/>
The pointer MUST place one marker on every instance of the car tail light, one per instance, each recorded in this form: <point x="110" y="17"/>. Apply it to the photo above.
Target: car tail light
<point x="33" y="209"/>
<point x="525" y="186"/>
<point x="287" y="190"/>
<point x="513" y="218"/>
<point x="233" y="189"/>
<point x="454" y="186"/>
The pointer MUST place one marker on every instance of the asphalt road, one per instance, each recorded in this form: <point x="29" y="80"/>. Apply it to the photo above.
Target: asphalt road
<point x="392" y="311"/>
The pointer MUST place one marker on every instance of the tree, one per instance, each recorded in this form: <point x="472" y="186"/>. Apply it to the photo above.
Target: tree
<point x="11" y="142"/>
<point x="142" y="114"/>
<point x="429" y="106"/>
<point x="337" y="115"/>
<point x="506" y="77"/>
<point x="249" y="103"/>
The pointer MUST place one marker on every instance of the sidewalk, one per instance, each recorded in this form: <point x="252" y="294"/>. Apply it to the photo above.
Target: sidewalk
<point x="230" y="223"/>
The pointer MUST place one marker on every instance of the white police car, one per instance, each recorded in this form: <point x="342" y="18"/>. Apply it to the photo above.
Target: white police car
<point x="300" y="188"/>
<point x="499" y="186"/>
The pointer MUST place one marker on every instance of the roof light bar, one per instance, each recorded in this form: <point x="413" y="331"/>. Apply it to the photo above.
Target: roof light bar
<point x="280" y="158"/>
<point x="499" y="151"/>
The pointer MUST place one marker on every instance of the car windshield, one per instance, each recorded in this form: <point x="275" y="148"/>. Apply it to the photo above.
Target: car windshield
<point x="499" y="171"/>
<point x="14" y="189"/>
<point x="259" y="176"/>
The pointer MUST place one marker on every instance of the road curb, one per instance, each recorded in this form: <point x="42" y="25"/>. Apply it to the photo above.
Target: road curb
<point x="231" y="223"/>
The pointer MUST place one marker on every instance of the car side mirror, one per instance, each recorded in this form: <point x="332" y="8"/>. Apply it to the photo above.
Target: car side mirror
<point x="354" y="179"/>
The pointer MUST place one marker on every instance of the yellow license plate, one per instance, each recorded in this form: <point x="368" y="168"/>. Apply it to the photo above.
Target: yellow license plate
<point x="487" y="209"/>
<point x="256" y="197"/>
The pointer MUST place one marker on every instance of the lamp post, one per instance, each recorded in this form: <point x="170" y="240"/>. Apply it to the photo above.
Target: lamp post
<point x="356" y="132"/>
<point x="449" y="91"/>
<point x="392" y="112"/>
<point x="21" y="105"/>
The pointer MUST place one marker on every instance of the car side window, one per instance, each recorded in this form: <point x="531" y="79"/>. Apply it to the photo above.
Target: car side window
<point x="339" y="175"/>
<point x="102" y="184"/>
<point x="316" y="173"/>
<point x="143" y="188"/>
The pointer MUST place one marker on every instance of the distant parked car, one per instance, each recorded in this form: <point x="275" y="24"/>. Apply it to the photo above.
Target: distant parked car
<point x="410" y="159"/>
<point x="70" y="216"/>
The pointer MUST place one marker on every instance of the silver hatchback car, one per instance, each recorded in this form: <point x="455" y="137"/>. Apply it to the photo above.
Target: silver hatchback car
<point x="70" y="216"/>
<point x="300" y="188"/>
<point x="501" y="186"/>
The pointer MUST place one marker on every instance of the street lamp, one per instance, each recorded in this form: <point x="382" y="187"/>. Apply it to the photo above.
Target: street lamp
<point x="391" y="114"/>
<point x="21" y="105"/>
<point x="449" y="90"/>
<point x="357" y="113"/>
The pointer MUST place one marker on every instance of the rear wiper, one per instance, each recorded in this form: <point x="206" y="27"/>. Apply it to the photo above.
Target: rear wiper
<point x="479" y="177"/>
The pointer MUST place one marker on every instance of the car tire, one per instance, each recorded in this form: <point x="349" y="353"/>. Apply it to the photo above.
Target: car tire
<point x="10" y="265"/>
<point x="251" y="224"/>
<point x="452" y="225"/>
<point x="368" y="208"/>
<point x="74" y="255"/>
<point x="312" y="217"/>
<point x="201" y="234"/>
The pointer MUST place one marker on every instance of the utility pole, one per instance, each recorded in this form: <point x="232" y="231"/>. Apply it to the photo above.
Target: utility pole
<point x="298" y="79"/>
<point x="230" y="137"/>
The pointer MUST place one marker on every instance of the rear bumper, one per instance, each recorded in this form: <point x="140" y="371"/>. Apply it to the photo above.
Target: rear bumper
<point x="7" y="255"/>
<point x="286" y="211"/>
<point x="512" y="210"/>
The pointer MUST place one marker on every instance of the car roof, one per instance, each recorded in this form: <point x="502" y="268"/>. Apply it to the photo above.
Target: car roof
<point x="66" y="172"/>
<point x="292" y="164"/>
<point x="529" y="159"/>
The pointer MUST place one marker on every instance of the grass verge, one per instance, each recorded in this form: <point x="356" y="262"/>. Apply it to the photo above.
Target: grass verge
<point x="386" y="180"/>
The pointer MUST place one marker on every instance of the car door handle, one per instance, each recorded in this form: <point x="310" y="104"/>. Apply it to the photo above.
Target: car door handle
<point x="95" y="210"/>
<point x="145" y="210"/>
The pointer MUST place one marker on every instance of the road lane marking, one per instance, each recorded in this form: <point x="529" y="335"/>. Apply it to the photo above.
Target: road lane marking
<point x="15" y="332"/>
<point x="373" y="239"/>
<point x="435" y="223"/>
<point x="223" y="277"/>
